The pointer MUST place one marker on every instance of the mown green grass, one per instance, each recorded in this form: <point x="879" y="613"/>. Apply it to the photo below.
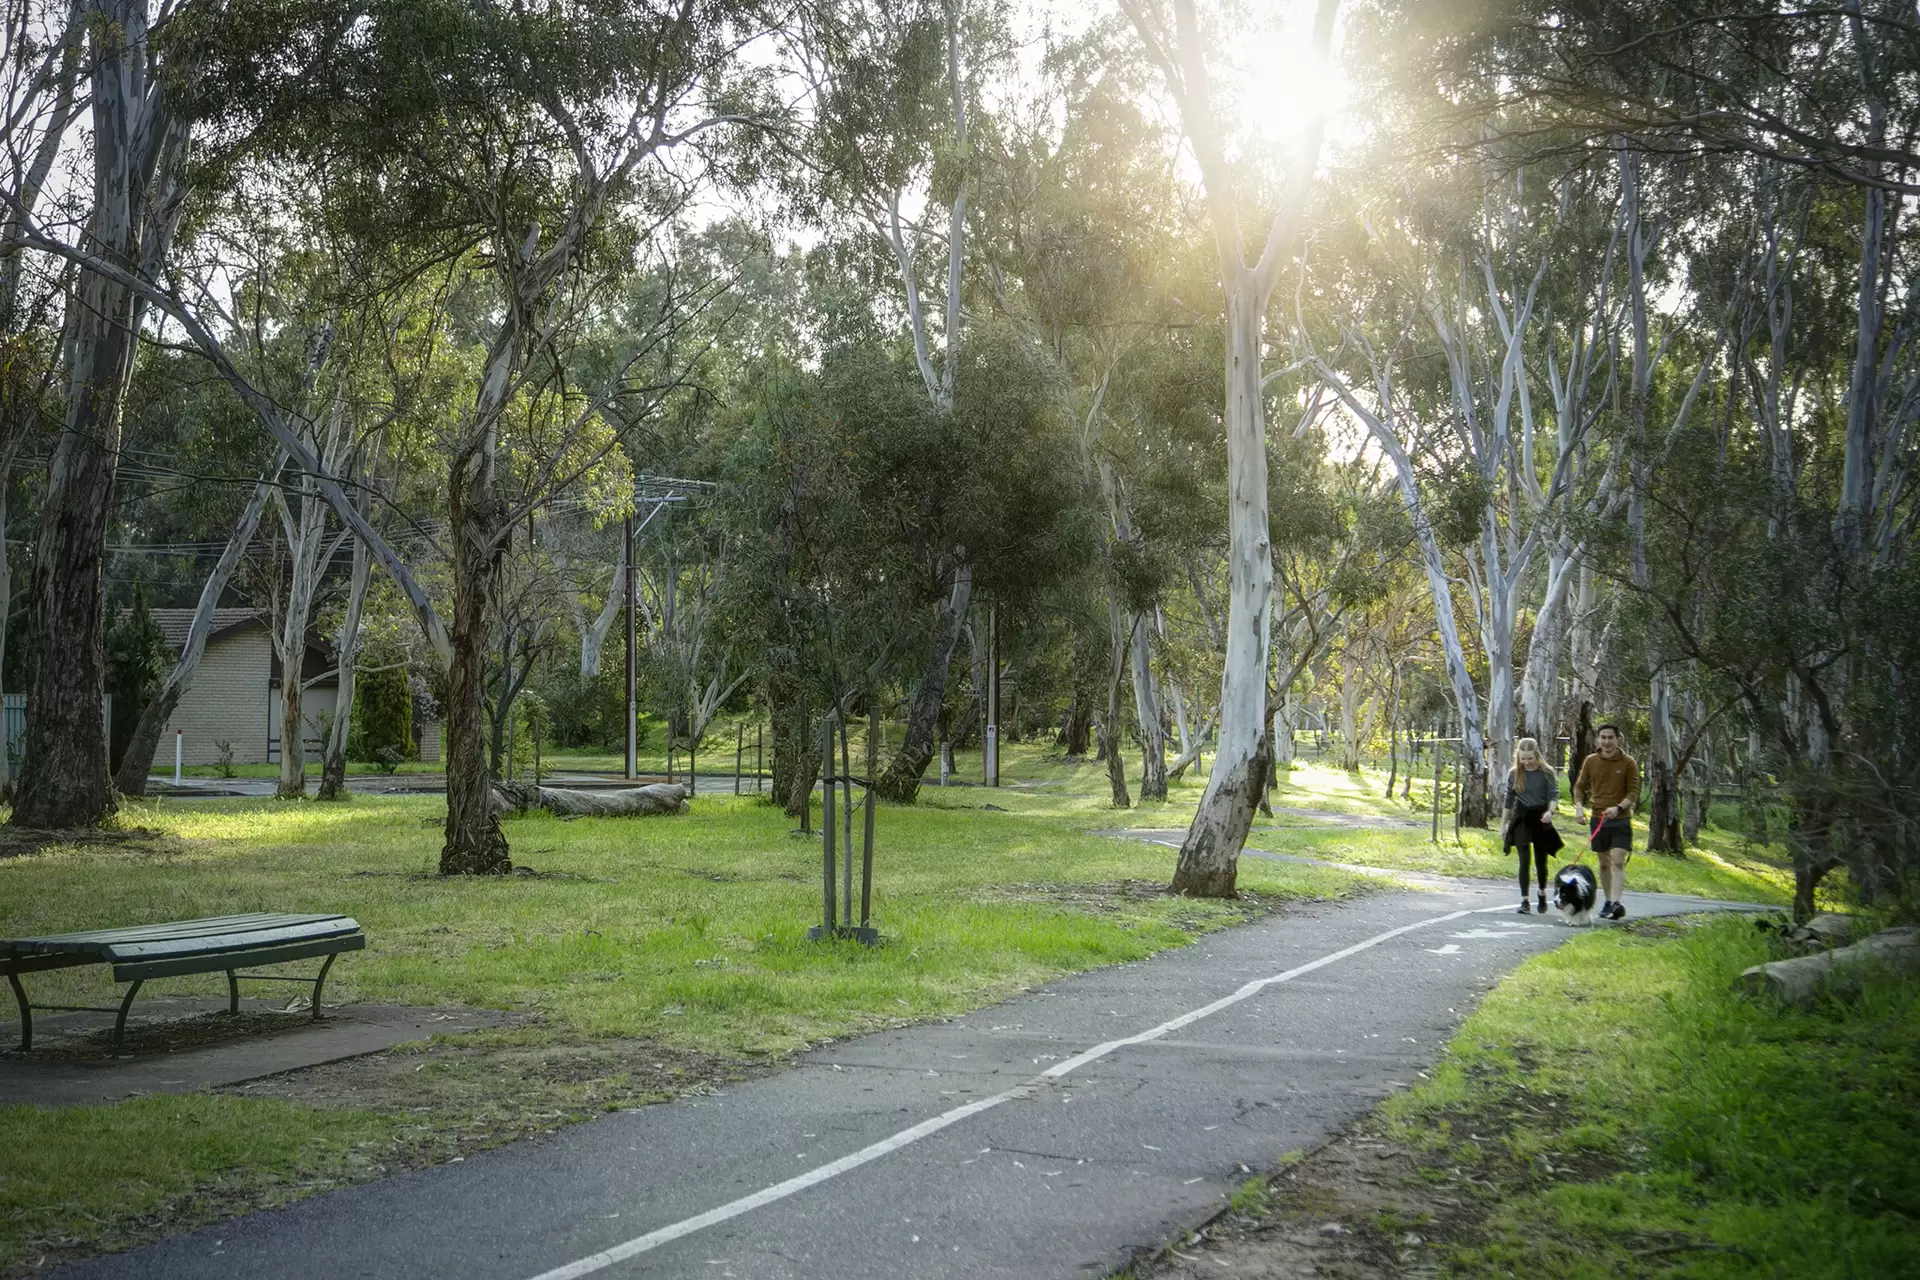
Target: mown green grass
<point x="1694" y="1132"/>
<point x="686" y="931"/>
<point x="691" y="930"/>
<point x="77" y="1173"/>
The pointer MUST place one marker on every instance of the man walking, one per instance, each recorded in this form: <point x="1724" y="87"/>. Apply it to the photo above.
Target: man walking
<point x="1609" y="782"/>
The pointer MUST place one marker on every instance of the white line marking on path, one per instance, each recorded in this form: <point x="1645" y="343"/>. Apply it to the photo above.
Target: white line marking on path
<point x="1451" y="949"/>
<point x="926" y="1128"/>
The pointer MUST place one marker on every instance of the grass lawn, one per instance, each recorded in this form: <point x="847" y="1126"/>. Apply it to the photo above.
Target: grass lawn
<point x="645" y="957"/>
<point x="635" y="943"/>
<point x="1691" y="1129"/>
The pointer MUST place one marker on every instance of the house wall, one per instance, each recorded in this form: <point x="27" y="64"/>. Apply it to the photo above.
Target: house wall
<point x="316" y="710"/>
<point x="228" y="701"/>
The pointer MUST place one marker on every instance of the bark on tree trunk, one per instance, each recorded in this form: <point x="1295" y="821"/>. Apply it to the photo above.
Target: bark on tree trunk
<point x="1209" y="858"/>
<point x="1351" y="690"/>
<point x="1146" y="706"/>
<point x="1074" y="733"/>
<point x="333" y="764"/>
<point x="474" y="844"/>
<point x="1663" y="796"/>
<point x="1110" y="724"/>
<point x="64" y="782"/>
<point x="1540" y="681"/>
<point x="138" y="148"/>
<point x="901" y="782"/>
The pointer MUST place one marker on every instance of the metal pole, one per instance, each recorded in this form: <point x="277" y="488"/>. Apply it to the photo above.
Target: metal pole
<point x="176" y="756"/>
<point x="758" y="762"/>
<point x="993" y="697"/>
<point x="830" y="913"/>
<point x="846" y="861"/>
<point x="1436" y="787"/>
<point x="633" y="710"/>
<point x="739" y="743"/>
<point x="866" y="844"/>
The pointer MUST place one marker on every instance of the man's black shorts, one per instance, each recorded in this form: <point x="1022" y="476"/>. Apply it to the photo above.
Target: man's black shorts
<point x="1614" y="833"/>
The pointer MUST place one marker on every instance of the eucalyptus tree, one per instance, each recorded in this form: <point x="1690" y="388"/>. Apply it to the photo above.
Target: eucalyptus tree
<point x="897" y="87"/>
<point x="139" y="126"/>
<point x="1209" y="856"/>
<point x="40" y="77"/>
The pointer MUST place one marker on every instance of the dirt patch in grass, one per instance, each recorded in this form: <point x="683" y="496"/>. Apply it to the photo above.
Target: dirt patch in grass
<point x="485" y="1088"/>
<point x="1103" y="899"/>
<point x="1362" y="1207"/>
<point x="18" y="842"/>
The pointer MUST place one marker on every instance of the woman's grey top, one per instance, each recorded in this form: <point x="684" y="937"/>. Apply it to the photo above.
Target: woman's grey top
<point x="1532" y="789"/>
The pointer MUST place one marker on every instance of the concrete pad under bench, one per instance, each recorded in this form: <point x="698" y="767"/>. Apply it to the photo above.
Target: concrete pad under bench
<point x="350" y="1031"/>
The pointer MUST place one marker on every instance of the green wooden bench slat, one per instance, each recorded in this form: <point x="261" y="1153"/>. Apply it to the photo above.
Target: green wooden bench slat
<point x="220" y="943"/>
<point x="178" y="929"/>
<point x="164" y="927"/>
<point x="176" y="947"/>
<point x="184" y="934"/>
<point x="166" y="967"/>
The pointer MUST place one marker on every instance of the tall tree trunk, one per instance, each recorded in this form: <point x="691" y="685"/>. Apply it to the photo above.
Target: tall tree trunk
<point x="1663" y="794"/>
<point x="1351" y="691"/>
<point x="593" y="637"/>
<point x="138" y="761"/>
<point x="333" y="761"/>
<point x="1110" y="724"/>
<point x="474" y="844"/>
<point x="1540" y="681"/>
<point x="1209" y="858"/>
<point x="6" y="616"/>
<point x="1284" y="746"/>
<point x="1146" y="707"/>
<point x="64" y="782"/>
<point x="1074" y="730"/>
<point x="901" y="782"/>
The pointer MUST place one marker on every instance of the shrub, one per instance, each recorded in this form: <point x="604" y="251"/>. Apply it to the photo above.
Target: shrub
<point x="382" y="714"/>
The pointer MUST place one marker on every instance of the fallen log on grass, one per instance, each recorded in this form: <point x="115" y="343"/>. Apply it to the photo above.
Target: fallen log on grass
<point x="628" y="802"/>
<point x="1841" y="973"/>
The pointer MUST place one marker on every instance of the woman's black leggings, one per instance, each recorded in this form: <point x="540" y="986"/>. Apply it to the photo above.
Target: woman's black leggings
<point x="1539" y="863"/>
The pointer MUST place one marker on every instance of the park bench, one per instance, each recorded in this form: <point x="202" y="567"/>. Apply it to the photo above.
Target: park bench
<point x="216" y="944"/>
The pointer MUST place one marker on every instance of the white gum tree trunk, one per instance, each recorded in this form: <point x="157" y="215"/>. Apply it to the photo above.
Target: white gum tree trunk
<point x="132" y="777"/>
<point x="1209" y="857"/>
<point x="593" y="635"/>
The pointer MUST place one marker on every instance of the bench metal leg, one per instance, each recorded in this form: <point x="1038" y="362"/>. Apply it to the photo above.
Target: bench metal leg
<point x="26" y="1012"/>
<point x="120" y="1023"/>
<point x="320" y="982"/>
<point x="233" y="992"/>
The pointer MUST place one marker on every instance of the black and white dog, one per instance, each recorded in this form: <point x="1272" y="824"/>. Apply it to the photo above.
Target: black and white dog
<point x="1574" y="893"/>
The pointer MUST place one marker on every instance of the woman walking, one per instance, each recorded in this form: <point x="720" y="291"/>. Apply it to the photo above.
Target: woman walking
<point x="1532" y="792"/>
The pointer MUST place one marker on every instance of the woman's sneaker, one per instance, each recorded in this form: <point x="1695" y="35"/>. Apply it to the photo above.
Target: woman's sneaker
<point x="1526" y="910"/>
<point x="1542" y="908"/>
<point x="1618" y="911"/>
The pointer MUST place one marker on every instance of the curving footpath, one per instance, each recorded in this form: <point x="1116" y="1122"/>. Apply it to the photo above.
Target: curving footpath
<point x="1047" y="1136"/>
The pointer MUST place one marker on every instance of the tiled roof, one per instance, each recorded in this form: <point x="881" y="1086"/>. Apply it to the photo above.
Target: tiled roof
<point x="174" y="622"/>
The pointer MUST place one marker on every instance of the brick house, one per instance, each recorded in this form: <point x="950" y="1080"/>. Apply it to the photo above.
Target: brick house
<point x="235" y="695"/>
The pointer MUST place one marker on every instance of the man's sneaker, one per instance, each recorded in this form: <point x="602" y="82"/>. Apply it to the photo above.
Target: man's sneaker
<point x="1618" y="911"/>
<point x="1525" y="910"/>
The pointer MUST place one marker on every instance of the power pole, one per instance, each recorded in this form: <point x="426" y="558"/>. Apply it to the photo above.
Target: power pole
<point x="993" y="697"/>
<point x="633" y="743"/>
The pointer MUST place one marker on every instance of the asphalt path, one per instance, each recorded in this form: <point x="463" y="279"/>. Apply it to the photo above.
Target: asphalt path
<point x="1046" y="1136"/>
